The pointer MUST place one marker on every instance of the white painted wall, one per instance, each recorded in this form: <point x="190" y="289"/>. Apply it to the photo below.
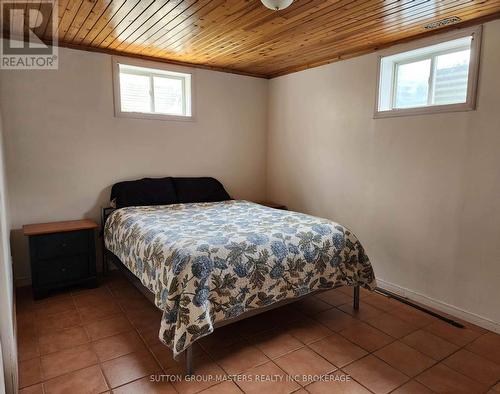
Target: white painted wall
<point x="8" y="348"/>
<point x="421" y="192"/>
<point x="65" y="148"/>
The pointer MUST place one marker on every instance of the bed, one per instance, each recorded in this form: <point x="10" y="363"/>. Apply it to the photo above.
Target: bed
<point x="207" y="263"/>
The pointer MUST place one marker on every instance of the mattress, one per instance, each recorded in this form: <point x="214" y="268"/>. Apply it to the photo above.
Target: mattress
<point x="209" y="262"/>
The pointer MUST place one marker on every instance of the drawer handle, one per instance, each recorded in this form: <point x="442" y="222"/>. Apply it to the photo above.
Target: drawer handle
<point x="64" y="244"/>
<point x="63" y="269"/>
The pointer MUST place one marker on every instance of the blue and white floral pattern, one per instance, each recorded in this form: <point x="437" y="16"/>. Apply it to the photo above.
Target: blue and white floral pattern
<point x="208" y="262"/>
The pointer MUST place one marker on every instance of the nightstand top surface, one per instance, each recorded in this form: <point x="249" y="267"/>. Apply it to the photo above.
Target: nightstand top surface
<point x="272" y="204"/>
<point x="59" y="227"/>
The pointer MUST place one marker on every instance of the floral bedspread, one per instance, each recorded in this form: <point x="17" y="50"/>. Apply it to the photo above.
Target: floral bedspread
<point x="207" y="262"/>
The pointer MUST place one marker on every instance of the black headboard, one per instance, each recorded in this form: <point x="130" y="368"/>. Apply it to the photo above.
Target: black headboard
<point x="169" y="190"/>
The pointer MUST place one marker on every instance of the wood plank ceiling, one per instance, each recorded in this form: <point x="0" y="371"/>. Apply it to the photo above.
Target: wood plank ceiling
<point x="245" y="37"/>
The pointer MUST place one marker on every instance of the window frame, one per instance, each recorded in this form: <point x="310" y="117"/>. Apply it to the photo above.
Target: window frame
<point x="117" y="60"/>
<point x="472" y="82"/>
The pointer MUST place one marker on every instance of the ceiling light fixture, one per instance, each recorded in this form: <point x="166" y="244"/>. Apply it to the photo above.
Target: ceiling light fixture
<point x="277" y="5"/>
<point x="443" y="22"/>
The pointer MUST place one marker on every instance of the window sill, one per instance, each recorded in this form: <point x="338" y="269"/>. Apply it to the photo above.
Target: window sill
<point x="435" y="109"/>
<point x="141" y="115"/>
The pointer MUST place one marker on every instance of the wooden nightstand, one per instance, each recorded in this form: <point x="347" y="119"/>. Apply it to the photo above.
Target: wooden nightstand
<point x="271" y="204"/>
<point x="62" y="254"/>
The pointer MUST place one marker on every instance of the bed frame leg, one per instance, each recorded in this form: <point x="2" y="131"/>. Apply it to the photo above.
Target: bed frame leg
<point x="189" y="361"/>
<point x="355" y="303"/>
<point x="105" y="264"/>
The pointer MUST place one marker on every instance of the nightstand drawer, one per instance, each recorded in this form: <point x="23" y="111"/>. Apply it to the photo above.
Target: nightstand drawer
<point x="62" y="270"/>
<point x="49" y="246"/>
<point x="62" y="254"/>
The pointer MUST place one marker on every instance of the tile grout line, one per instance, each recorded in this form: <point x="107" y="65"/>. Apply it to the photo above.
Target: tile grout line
<point x="143" y="341"/>
<point x="307" y="346"/>
<point x="304" y="345"/>
<point x="371" y="353"/>
<point x="44" y="379"/>
<point x="269" y="359"/>
<point x="135" y="330"/>
<point x="332" y="332"/>
<point x="89" y="343"/>
<point x="451" y="354"/>
<point x="436" y="362"/>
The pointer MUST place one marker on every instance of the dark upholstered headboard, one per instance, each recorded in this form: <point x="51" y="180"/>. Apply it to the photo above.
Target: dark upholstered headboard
<point x="169" y="190"/>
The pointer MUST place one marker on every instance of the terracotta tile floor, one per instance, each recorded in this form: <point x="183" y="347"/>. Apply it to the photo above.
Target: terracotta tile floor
<point x="105" y="340"/>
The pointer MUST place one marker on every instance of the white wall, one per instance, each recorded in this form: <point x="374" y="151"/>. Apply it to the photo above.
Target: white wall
<point x="8" y="349"/>
<point x="65" y="148"/>
<point x="421" y="192"/>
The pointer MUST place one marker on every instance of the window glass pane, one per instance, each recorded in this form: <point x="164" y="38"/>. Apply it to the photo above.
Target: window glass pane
<point x="412" y="84"/>
<point x="134" y="92"/>
<point x="451" y="76"/>
<point x="168" y="95"/>
<point x="154" y="91"/>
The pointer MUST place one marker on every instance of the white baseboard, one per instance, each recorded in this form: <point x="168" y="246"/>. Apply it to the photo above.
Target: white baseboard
<point x="440" y="306"/>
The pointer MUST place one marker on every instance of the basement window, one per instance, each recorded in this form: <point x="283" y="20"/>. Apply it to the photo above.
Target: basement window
<point x="434" y="78"/>
<point x="153" y="93"/>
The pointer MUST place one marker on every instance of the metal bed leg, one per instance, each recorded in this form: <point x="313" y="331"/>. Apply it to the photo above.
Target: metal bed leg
<point x="355" y="304"/>
<point x="189" y="361"/>
<point x="105" y="264"/>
